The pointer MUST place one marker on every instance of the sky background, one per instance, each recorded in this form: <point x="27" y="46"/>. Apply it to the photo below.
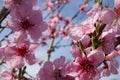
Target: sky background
<point x="68" y="11"/>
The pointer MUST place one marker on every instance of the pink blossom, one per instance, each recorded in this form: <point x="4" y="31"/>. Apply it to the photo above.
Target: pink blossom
<point x="66" y="32"/>
<point x="30" y="23"/>
<point x="7" y="75"/>
<point x="94" y="13"/>
<point x="87" y="28"/>
<point x="110" y="67"/>
<point x="53" y="71"/>
<point x="112" y="59"/>
<point x="79" y="32"/>
<point x="54" y="21"/>
<point x="52" y="25"/>
<point x="117" y="4"/>
<point x="83" y="7"/>
<point x="109" y="39"/>
<point x="112" y="55"/>
<point x="19" y="37"/>
<point x="76" y="52"/>
<point x="14" y="4"/>
<point x="16" y="55"/>
<point x="116" y="28"/>
<point x="97" y="56"/>
<point x="88" y="64"/>
<point x="108" y="16"/>
<point x="85" y="40"/>
<point x="76" y="32"/>
<point x="49" y="5"/>
<point x="110" y="64"/>
<point x="111" y="18"/>
<point x="86" y="68"/>
<point x="58" y="2"/>
<point x="95" y="8"/>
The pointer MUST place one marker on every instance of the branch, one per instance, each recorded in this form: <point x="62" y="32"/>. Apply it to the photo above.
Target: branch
<point x="3" y="14"/>
<point x="50" y="48"/>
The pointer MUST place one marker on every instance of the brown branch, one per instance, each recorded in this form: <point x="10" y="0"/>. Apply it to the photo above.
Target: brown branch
<point x="50" y="48"/>
<point x="3" y="14"/>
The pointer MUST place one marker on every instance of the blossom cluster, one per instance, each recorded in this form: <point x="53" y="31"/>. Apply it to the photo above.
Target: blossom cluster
<point x="25" y="19"/>
<point x="95" y="42"/>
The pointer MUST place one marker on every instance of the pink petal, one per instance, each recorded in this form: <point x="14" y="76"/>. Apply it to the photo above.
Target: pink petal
<point x="115" y="63"/>
<point x="97" y="56"/>
<point x="46" y="72"/>
<point x="15" y="61"/>
<point x="88" y="28"/>
<point x="20" y="37"/>
<point x="36" y="31"/>
<point x="7" y="75"/>
<point x="85" y="40"/>
<point x="76" y="52"/>
<point x="33" y="47"/>
<point x="108" y="16"/>
<point x="112" y="69"/>
<point x="112" y="55"/>
<point x="59" y="62"/>
<point x="117" y="4"/>
<point x="36" y="17"/>
<point x="106" y="72"/>
<point x="2" y="51"/>
<point x="76" y="33"/>
<point x="30" y="59"/>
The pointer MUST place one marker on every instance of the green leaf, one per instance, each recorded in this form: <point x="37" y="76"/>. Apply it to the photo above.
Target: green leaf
<point x="99" y="28"/>
<point x="96" y="42"/>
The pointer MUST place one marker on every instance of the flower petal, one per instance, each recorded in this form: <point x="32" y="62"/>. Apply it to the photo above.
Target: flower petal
<point x="59" y="62"/>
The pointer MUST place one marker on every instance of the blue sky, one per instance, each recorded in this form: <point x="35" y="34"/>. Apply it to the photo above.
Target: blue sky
<point x="68" y="11"/>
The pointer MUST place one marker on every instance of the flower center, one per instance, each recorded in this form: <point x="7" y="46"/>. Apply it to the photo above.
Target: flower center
<point x="57" y="74"/>
<point x="26" y="24"/>
<point x="86" y="65"/>
<point x="22" y="51"/>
